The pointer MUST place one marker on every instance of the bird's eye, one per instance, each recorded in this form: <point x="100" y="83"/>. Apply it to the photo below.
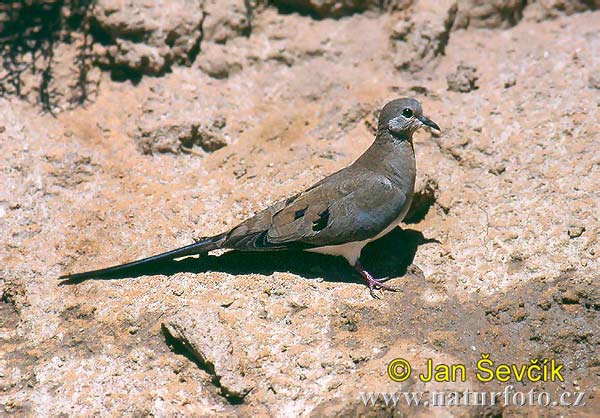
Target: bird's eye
<point x="407" y="113"/>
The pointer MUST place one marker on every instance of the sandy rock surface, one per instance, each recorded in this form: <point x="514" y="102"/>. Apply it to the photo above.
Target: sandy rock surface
<point x="200" y="118"/>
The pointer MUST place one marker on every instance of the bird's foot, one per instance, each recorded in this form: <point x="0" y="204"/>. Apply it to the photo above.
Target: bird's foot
<point x="378" y="284"/>
<point x="372" y="282"/>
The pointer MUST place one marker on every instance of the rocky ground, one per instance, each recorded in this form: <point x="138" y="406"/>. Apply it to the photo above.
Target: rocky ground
<point x="142" y="125"/>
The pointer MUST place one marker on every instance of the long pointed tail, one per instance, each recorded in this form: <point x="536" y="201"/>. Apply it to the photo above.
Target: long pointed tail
<point x="202" y="246"/>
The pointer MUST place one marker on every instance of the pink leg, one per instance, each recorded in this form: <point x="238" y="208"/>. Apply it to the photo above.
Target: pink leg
<point x="371" y="281"/>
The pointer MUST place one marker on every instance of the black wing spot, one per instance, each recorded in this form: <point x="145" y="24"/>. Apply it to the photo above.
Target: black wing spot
<point x="300" y="213"/>
<point x="321" y="223"/>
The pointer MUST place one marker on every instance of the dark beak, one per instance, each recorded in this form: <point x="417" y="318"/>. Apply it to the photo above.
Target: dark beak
<point x="428" y="122"/>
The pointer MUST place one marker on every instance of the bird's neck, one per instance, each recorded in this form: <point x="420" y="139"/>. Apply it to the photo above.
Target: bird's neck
<point x="396" y="157"/>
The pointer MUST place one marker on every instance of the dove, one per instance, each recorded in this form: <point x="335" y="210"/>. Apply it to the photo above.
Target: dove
<point x="337" y="216"/>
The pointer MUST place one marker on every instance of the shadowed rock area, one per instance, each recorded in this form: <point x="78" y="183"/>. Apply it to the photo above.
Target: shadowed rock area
<point x="128" y="128"/>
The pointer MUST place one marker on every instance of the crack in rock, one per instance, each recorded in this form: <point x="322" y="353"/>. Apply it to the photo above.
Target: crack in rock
<point x="208" y="343"/>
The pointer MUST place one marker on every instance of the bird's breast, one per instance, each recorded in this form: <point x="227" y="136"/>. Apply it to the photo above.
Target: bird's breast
<point x="398" y="219"/>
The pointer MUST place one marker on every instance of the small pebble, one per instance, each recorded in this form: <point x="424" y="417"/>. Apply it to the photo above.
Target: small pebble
<point x="575" y="231"/>
<point x="509" y="80"/>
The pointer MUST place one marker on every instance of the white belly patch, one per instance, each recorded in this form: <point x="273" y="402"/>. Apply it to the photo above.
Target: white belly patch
<point x="351" y="250"/>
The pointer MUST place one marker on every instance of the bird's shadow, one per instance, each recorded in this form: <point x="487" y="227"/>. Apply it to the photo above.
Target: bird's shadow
<point x="389" y="256"/>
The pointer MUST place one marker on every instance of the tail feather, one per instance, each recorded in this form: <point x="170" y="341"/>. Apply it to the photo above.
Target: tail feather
<point x="202" y="246"/>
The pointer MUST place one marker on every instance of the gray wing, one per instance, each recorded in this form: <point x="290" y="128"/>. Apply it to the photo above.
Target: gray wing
<point x="348" y="206"/>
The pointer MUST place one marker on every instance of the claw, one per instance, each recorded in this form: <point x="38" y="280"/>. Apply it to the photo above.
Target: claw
<point x="373" y="294"/>
<point x="373" y="283"/>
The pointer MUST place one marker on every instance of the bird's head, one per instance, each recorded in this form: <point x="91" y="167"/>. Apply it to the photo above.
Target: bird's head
<point x="402" y="117"/>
